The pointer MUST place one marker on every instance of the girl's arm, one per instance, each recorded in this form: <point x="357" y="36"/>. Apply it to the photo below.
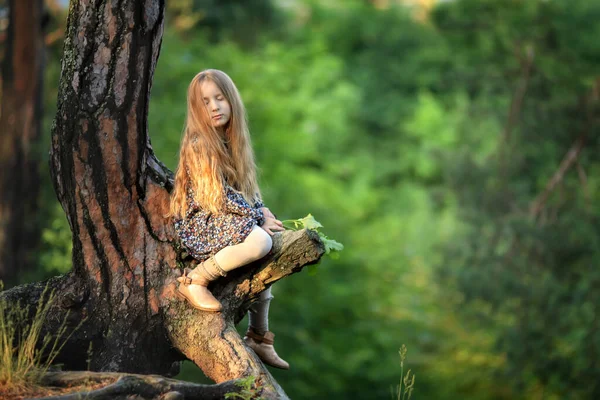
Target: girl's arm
<point x="270" y="223"/>
<point x="258" y="203"/>
<point x="267" y="213"/>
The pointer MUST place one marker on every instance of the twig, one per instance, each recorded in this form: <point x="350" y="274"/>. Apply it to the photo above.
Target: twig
<point x="570" y="158"/>
<point x="584" y="185"/>
<point x="515" y="105"/>
<point x="54" y="36"/>
<point x="519" y="94"/>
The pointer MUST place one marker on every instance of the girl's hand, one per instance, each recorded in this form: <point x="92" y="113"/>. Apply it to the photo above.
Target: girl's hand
<point x="267" y="213"/>
<point x="272" y="225"/>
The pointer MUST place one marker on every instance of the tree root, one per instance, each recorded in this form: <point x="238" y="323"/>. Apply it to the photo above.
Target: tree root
<point x="139" y="386"/>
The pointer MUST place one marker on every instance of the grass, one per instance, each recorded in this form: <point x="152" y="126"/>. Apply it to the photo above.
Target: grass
<point x="407" y="382"/>
<point x="24" y="355"/>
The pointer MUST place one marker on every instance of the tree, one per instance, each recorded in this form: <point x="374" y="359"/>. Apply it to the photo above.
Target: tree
<point x="20" y="117"/>
<point x="115" y="194"/>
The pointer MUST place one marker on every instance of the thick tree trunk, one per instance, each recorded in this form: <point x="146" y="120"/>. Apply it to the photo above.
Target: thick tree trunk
<point x="20" y="120"/>
<point x="115" y="195"/>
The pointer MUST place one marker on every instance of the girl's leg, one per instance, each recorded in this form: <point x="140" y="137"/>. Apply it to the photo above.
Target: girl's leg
<point x="258" y="337"/>
<point x="256" y="245"/>
<point x="194" y="283"/>
<point x="258" y="314"/>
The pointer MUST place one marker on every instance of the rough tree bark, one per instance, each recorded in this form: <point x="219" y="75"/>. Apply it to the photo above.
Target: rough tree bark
<point x="20" y="119"/>
<point x="115" y="193"/>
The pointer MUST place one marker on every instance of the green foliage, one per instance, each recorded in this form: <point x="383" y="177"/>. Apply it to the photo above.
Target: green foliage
<point x="528" y="278"/>
<point x="57" y="243"/>
<point x="248" y="389"/>
<point x="224" y="19"/>
<point x="309" y="222"/>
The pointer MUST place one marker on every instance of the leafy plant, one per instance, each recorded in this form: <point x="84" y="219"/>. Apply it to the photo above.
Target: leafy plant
<point x="309" y="222"/>
<point x="249" y="389"/>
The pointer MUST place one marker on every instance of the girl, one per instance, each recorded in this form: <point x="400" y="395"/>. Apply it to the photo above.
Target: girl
<point x="216" y="203"/>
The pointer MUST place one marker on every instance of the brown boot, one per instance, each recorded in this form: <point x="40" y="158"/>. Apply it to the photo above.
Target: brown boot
<point x="263" y="347"/>
<point x="193" y="287"/>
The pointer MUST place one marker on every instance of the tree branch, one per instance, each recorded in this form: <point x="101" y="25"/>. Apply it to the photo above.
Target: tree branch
<point x="570" y="158"/>
<point x="519" y="94"/>
<point x="218" y="349"/>
<point x="584" y="185"/>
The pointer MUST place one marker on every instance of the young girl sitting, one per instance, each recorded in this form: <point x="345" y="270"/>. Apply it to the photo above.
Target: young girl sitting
<point x="216" y="203"/>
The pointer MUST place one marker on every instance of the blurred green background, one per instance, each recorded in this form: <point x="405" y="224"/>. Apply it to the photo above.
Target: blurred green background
<point x="422" y="136"/>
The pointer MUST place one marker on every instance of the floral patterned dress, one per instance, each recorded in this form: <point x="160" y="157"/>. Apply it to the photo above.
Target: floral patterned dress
<point x="203" y="233"/>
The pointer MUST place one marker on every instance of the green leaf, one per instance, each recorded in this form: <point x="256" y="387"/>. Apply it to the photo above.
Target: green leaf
<point x="309" y="222"/>
<point x="291" y="224"/>
<point x="330" y="244"/>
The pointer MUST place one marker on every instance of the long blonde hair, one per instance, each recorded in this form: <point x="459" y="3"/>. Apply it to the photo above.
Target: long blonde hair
<point x="207" y="158"/>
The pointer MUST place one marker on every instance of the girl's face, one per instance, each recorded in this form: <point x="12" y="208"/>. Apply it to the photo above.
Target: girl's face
<point x="217" y="105"/>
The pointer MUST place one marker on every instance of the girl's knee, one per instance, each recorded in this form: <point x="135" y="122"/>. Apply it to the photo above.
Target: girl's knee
<point x="262" y="243"/>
